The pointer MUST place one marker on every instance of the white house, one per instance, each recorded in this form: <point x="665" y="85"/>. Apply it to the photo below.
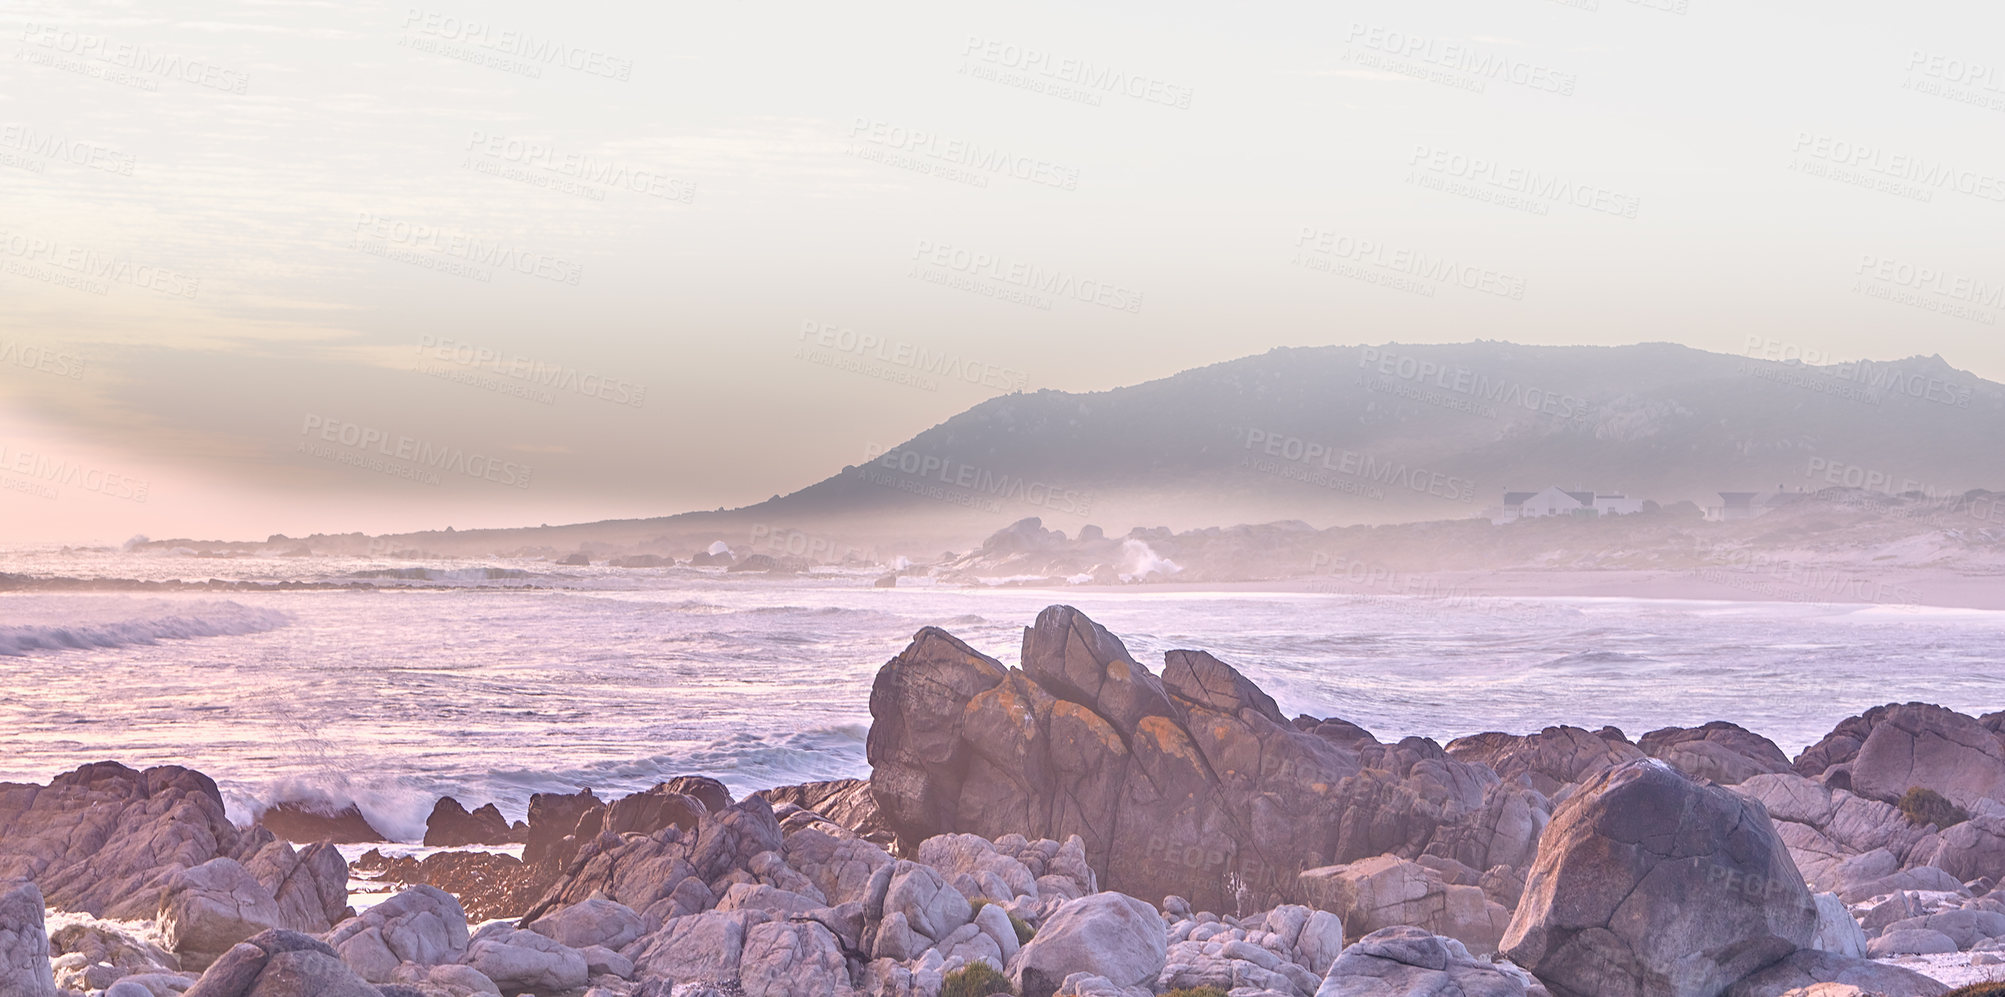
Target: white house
<point x="1557" y="501"/>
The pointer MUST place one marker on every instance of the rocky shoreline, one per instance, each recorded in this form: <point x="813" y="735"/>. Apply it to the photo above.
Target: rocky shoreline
<point x="1080" y="826"/>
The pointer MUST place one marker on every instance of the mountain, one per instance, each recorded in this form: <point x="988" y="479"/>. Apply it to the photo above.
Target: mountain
<point x="1336" y="436"/>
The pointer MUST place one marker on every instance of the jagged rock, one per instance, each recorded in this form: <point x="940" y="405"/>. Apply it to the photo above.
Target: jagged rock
<point x="845" y="803"/>
<point x="714" y="795"/>
<point x="1828" y="830"/>
<point x="1649" y="883"/>
<point x="524" y="960"/>
<point x="206" y="910"/>
<point x="782" y="959"/>
<point x="24" y="945"/>
<point x="976" y="868"/>
<point x="422" y="925"/>
<point x="1837" y="933"/>
<point x="1111" y="935"/>
<point x="1405" y="961"/>
<point x="1891" y="748"/>
<point x="552" y="818"/>
<point x="640" y="871"/>
<point x="1386" y="891"/>
<point x="1972" y="849"/>
<point x="1809" y="967"/>
<point x="840" y="867"/>
<point x="597" y="921"/>
<point x="104" y="838"/>
<point x="920" y="909"/>
<point x="451" y="825"/>
<point x="1549" y="760"/>
<point x="698" y="948"/>
<point x="1286" y="952"/>
<point x="280" y="963"/>
<point x="1723" y="752"/>
<point x="1190" y="783"/>
<point x="310" y="885"/>
<point x="656" y="808"/>
<point x="307" y="821"/>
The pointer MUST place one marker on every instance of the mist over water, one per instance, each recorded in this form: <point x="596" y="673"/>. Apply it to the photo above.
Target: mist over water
<point x="490" y="690"/>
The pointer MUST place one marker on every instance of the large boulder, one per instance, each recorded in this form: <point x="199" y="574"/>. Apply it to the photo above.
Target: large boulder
<point x="1972" y="849"/>
<point x="281" y="963"/>
<point x="310" y="885"/>
<point x="1808" y="967"/>
<point x="698" y="948"/>
<point x="24" y="945"/>
<point x="519" y="960"/>
<point x="1889" y="749"/>
<point x="1719" y="751"/>
<point x="1404" y="961"/>
<point x="1189" y="783"/>
<point x="1651" y="884"/>
<point x="207" y="910"/>
<point x="105" y="838"/>
<point x="597" y="921"/>
<point x="1111" y="935"/>
<point x="1386" y="891"/>
<point x="792" y="959"/>
<point x="422" y="925"/>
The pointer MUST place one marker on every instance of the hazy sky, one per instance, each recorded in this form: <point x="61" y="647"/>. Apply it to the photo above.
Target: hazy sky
<point x="257" y="256"/>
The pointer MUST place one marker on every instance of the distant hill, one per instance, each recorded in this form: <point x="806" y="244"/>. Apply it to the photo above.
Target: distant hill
<point x="1336" y="436"/>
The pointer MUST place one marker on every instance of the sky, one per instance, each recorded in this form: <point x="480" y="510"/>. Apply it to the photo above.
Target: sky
<point x="292" y="267"/>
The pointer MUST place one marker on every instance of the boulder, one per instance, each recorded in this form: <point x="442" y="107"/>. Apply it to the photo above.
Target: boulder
<point x="1966" y="928"/>
<point x="1651" y="884"/>
<point x="524" y="960"/>
<point x="1837" y="933"/>
<point x="1189" y="783"/>
<point x="553" y="817"/>
<point x="1973" y="848"/>
<point x="451" y="825"/>
<point x="656" y="808"/>
<point x="207" y="910"/>
<point x="841" y="868"/>
<point x="845" y="803"/>
<point x="698" y="948"/>
<point x="307" y="821"/>
<point x="105" y="838"/>
<point x="1910" y="941"/>
<point x="422" y="925"/>
<point x="281" y="963"/>
<point x="597" y="921"/>
<point x="1405" y="961"/>
<point x="1809" y="967"/>
<point x="310" y="885"/>
<point x="1386" y="891"/>
<point x="1111" y="935"/>
<point x="1719" y="751"/>
<point x="792" y="959"/>
<point x="1891" y="748"/>
<point x="24" y="945"/>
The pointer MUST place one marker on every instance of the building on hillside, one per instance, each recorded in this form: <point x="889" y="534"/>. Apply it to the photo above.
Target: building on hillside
<point x="1557" y="501"/>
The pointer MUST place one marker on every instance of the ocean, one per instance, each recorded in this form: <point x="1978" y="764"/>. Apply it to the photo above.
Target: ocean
<point x="492" y="680"/>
